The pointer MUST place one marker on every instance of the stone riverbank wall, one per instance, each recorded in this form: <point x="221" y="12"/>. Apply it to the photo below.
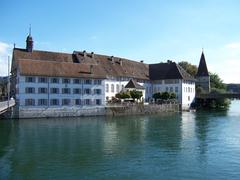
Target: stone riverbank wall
<point x="119" y="110"/>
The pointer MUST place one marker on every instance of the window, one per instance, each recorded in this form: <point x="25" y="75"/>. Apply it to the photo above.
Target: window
<point x="117" y="88"/>
<point x="167" y="89"/>
<point x="87" y="91"/>
<point x="55" y="80"/>
<point x="97" y="81"/>
<point x="29" y="90"/>
<point x="54" y="102"/>
<point x="29" y="102"/>
<point x="77" y="91"/>
<point x="87" y="101"/>
<point x="77" y="101"/>
<point x="107" y="88"/>
<point x="42" y="90"/>
<point x="76" y="81"/>
<point x="98" y="101"/>
<point x="176" y="89"/>
<point x="88" y="81"/>
<point x="42" y="102"/>
<point x="146" y="90"/>
<point x="30" y="79"/>
<point x="54" y="91"/>
<point x="171" y="89"/>
<point x="112" y="88"/>
<point x="188" y="98"/>
<point x="66" y="91"/>
<point x="66" y="102"/>
<point x="42" y="80"/>
<point x="97" y="91"/>
<point x="188" y="89"/>
<point x="66" y="81"/>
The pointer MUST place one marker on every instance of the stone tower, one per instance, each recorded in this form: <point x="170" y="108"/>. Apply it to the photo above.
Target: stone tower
<point x="29" y="42"/>
<point x="203" y="78"/>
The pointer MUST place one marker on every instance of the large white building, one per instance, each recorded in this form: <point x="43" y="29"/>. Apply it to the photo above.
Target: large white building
<point x="45" y="81"/>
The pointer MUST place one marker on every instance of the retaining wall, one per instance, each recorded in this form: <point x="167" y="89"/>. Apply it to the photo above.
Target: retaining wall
<point x="25" y="112"/>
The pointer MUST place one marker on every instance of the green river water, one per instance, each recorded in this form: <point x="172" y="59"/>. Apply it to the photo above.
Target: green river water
<point x="187" y="145"/>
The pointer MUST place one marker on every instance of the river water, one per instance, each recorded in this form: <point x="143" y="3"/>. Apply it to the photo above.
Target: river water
<point x="188" y="145"/>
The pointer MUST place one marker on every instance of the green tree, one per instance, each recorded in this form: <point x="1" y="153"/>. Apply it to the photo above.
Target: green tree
<point x="188" y="67"/>
<point x="123" y="95"/>
<point x="136" y="94"/>
<point x="157" y="96"/>
<point x="216" y="82"/>
<point x="165" y="95"/>
<point x="172" y="95"/>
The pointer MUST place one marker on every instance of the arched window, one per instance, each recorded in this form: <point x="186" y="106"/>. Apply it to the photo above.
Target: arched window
<point x="112" y="88"/>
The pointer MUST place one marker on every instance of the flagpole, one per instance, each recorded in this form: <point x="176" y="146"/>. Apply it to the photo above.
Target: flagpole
<point x="8" y="84"/>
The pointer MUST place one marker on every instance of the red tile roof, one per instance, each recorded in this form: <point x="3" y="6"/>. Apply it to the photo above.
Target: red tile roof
<point x="43" y="63"/>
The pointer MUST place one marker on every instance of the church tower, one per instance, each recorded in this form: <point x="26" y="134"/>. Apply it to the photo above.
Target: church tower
<point x="203" y="78"/>
<point x="29" y="42"/>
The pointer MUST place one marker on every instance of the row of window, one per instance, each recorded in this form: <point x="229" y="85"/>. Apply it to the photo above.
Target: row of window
<point x="188" y="82"/>
<point x="159" y="89"/>
<point x="63" y="102"/>
<point x="41" y="90"/>
<point x="114" y="88"/>
<point x="55" y="80"/>
<point x="188" y="89"/>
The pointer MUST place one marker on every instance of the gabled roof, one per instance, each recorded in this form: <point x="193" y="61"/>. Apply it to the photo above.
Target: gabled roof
<point x="77" y="64"/>
<point x="169" y="70"/>
<point x="202" y="68"/>
<point x="133" y="84"/>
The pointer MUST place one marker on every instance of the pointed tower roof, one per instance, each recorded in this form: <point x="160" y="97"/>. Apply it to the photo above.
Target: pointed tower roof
<point x="202" y="68"/>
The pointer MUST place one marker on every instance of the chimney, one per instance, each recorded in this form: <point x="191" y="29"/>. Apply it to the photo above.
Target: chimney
<point x="112" y="58"/>
<point x="92" y="54"/>
<point x="91" y="69"/>
<point x="84" y="53"/>
<point x="120" y="62"/>
<point x="141" y="61"/>
<point x="169" y="61"/>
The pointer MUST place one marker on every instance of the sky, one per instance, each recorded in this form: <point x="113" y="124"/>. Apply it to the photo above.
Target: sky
<point x="154" y="30"/>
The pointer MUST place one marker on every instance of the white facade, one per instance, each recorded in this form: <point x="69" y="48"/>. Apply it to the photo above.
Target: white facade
<point x="184" y="90"/>
<point x="45" y="92"/>
<point x="50" y="93"/>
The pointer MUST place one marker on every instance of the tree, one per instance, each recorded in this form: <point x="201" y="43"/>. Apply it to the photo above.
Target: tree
<point x="122" y="95"/>
<point x="172" y="95"/>
<point x="189" y="68"/>
<point x="157" y="96"/>
<point x="216" y="82"/>
<point x="164" y="95"/>
<point x="136" y="94"/>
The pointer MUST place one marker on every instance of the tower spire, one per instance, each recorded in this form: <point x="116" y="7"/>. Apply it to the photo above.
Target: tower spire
<point x="29" y="41"/>
<point x="30" y="29"/>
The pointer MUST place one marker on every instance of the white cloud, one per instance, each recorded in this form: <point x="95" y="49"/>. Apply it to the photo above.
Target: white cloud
<point x="225" y="61"/>
<point x="235" y="45"/>
<point x="5" y="51"/>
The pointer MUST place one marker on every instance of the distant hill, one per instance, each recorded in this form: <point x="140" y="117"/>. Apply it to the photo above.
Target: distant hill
<point x="235" y="88"/>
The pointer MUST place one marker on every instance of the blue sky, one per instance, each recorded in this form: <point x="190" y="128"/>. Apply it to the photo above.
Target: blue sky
<point x="153" y="31"/>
